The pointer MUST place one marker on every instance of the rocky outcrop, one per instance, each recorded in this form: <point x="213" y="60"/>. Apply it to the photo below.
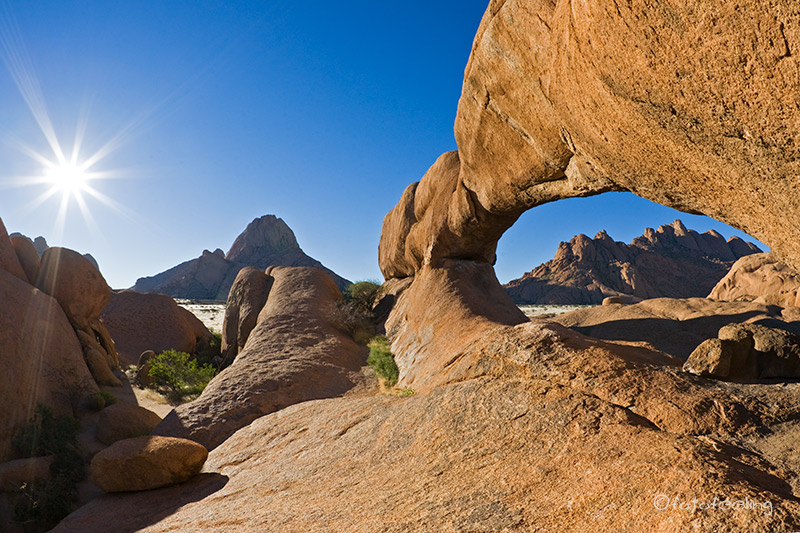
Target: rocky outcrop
<point x="9" y="262"/>
<point x="125" y="421"/>
<point x="82" y="292"/>
<point x="293" y="354"/>
<point x="145" y="463"/>
<point x="41" y="357"/>
<point x="670" y="262"/>
<point x="246" y="299"/>
<point x="265" y="242"/>
<point x="563" y="100"/>
<point x="138" y="322"/>
<point x="762" y="279"/>
<point x="747" y="351"/>
<point x="522" y="425"/>
<point x="674" y="326"/>
<point x="40" y="246"/>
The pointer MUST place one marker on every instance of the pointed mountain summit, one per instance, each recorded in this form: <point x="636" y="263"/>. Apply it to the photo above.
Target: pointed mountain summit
<point x="671" y="261"/>
<point x="266" y="241"/>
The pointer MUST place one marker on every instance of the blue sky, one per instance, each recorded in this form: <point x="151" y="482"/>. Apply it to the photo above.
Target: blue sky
<point x="220" y="112"/>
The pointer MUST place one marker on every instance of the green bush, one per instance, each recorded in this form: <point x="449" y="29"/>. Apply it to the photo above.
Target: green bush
<point x="40" y="506"/>
<point x="179" y="376"/>
<point x="382" y="361"/>
<point x="208" y="350"/>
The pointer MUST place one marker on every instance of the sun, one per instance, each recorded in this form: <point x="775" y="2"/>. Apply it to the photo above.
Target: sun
<point x="67" y="177"/>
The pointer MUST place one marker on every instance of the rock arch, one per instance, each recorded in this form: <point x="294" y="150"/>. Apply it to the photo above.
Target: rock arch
<point x="696" y="107"/>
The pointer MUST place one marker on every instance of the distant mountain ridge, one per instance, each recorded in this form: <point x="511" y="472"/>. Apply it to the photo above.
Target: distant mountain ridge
<point x="672" y="262"/>
<point x="266" y="241"/>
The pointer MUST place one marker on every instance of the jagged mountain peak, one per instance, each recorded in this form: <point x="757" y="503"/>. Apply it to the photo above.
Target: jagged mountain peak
<point x="671" y="261"/>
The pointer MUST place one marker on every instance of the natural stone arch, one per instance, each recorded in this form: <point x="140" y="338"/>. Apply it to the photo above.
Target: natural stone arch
<point x="695" y="107"/>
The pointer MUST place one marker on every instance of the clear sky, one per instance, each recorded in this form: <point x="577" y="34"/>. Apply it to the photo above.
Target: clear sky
<point x="208" y="114"/>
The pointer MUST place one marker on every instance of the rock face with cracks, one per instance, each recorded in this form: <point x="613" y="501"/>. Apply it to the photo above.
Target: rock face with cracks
<point x="293" y="354"/>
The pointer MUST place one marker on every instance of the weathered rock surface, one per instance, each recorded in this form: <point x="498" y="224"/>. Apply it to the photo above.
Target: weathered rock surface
<point x="246" y="299"/>
<point x="265" y="242"/>
<point x="28" y="257"/>
<point x="138" y="322"/>
<point x="293" y="354"/>
<point x="145" y="463"/>
<point x="673" y="326"/>
<point x="670" y="262"/>
<point x="583" y="438"/>
<point x="40" y="355"/>
<point x="78" y="286"/>
<point x="125" y="421"/>
<point x="759" y="278"/>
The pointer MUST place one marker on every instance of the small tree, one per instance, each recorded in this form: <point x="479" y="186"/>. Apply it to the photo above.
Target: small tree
<point x="362" y="294"/>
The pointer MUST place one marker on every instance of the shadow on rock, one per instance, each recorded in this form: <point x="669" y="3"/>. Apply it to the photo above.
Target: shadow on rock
<point x="143" y="509"/>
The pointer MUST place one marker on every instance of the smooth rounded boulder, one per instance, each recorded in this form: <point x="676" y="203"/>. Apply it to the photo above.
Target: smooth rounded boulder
<point x="760" y="278"/>
<point x="78" y="286"/>
<point x="125" y="421"/>
<point x="27" y="255"/>
<point x="141" y="321"/>
<point x="247" y="297"/>
<point x="145" y="463"/>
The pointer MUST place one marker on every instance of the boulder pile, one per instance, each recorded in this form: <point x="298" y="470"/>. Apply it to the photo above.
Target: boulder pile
<point x="56" y="349"/>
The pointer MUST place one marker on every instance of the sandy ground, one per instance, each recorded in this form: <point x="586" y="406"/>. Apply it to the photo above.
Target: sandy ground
<point x="549" y="309"/>
<point x="210" y="314"/>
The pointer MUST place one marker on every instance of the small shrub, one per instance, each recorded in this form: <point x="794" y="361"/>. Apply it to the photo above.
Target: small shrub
<point x="109" y="397"/>
<point x="207" y="351"/>
<point x="101" y="399"/>
<point x="41" y="506"/>
<point x="179" y="376"/>
<point x="382" y="361"/>
<point x="353" y="320"/>
<point x="44" y="434"/>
